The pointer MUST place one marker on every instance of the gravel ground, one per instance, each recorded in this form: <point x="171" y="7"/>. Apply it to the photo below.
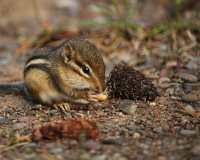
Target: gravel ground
<point x="166" y="128"/>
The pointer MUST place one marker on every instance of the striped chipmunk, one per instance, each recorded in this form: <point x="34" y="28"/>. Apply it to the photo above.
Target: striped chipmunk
<point x="73" y="72"/>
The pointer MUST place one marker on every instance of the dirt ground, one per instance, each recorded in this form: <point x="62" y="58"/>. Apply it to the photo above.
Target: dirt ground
<point x="167" y="128"/>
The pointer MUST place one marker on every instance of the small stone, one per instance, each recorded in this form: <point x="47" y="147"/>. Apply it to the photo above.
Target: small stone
<point x="91" y="145"/>
<point x="112" y="141"/>
<point x="191" y="97"/>
<point x="136" y="135"/>
<point x="128" y="107"/>
<point x="164" y="82"/>
<point x="85" y="156"/>
<point x="162" y="158"/>
<point x="57" y="150"/>
<point x="158" y="130"/>
<point x="152" y="103"/>
<point x="196" y="150"/>
<point x="118" y="156"/>
<point x="189" y="109"/>
<point x="19" y="126"/>
<point x="3" y="120"/>
<point x="187" y="132"/>
<point x="31" y="156"/>
<point x="192" y="65"/>
<point x="169" y="92"/>
<point x="5" y="59"/>
<point x="100" y="157"/>
<point x="7" y="109"/>
<point x="188" y="77"/>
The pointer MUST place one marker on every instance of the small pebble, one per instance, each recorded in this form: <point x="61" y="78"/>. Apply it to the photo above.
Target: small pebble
<point x="192" y="65"/>
<point x="191" y="97"/>
<point x="5" y="59"/>
<point x="7" y="110"/>
<point x="31" y="156"/>
<point x="112" y="141"/>
<point x="118" y="156"/>
<point x="85" y="156"/>
<point x="188" y="77"/>
<point x="92" y="145"/>
<point x="19" y="125"/>
<point x="100" y="157"/>
<point x="187" y="132"/>
<point x="57" y="150"/>
<point x="128" y="107"/>
<point x="196" y="150"/>
<point x="162" y="158"/>
<point x="164" y="82"/>
<point x="169" y="92"/>
<point x="189" y="109"/>
<point x="152" y="103"/>
<point x="136" y="135"/>
<point x="158" y="130"/>
<point x="3" y="120"/>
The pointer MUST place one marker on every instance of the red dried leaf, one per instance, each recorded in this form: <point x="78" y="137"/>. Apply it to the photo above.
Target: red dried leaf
<point x="70" y="128"/>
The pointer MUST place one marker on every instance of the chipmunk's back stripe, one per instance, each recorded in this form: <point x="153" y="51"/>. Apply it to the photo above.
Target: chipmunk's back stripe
<point x="37" y="62"/>
<point x="36" y="56"/>
<point x="39" y="66"/>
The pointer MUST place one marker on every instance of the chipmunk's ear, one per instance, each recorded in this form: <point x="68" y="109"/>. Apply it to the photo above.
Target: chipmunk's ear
<point x="67" y="53"/>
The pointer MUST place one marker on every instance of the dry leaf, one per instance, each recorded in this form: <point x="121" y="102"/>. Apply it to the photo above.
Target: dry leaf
<point x="70" y="128"/>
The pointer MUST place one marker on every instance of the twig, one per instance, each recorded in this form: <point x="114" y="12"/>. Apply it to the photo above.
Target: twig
<point x="12" y="147"/>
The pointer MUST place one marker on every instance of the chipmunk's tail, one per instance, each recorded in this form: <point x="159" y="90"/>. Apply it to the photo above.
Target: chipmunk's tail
<point x="9" y="88"/>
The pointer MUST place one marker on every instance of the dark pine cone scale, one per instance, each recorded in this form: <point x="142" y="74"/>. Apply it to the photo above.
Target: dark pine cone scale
<point x="124" y="82"/>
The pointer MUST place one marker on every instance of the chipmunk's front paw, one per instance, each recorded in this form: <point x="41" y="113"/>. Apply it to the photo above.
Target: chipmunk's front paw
<point x="63" y="107"/>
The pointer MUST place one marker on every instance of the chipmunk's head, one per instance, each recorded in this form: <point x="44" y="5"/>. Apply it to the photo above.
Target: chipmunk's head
<point x="85" y="69"/>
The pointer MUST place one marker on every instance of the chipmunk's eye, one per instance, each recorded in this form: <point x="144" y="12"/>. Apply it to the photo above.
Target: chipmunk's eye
<point x="85" y="69"/>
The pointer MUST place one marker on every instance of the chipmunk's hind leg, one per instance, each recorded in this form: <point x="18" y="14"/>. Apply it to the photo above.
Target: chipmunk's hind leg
<point x="40" y="86"/>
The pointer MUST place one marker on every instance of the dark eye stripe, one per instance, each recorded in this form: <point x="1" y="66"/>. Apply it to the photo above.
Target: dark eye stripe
<point x="84" y="68"/>
<point x="78" y="63"/>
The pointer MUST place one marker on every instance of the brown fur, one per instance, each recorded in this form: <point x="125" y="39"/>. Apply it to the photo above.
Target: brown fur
<point x="56" y="75"/>
<point x="41" y="88"/>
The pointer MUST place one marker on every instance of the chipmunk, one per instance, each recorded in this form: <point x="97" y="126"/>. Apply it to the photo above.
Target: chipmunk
<point x="72" y="72"/>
